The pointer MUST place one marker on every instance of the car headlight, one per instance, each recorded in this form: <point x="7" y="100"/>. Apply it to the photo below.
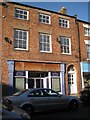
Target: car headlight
<point x="7" y="102"/>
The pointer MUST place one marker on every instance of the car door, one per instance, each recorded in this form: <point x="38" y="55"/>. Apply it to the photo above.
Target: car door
<point x="38" y="100"/>
<point x="56" y="101"/>
<point x="53" y="99"/>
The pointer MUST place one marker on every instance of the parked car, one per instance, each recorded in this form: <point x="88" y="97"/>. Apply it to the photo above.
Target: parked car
<point x="42" y="99"/>
<point x="13" y="113"/>
<point x="85" y="95"/>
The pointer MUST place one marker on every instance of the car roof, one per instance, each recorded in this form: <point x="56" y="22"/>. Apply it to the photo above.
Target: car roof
<point x="31" y="89"/>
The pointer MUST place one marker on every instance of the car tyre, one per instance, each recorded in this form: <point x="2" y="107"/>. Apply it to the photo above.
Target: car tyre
<point x="29" y="109"/>
<point x="73" y="105"/>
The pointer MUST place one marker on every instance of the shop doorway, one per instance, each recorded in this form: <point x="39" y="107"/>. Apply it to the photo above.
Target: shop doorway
<point x="45" y="80"/>
<point x="35" y="83"/>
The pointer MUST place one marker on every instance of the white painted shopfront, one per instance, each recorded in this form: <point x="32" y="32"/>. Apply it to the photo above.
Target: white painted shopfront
<point x="38" y="75"/>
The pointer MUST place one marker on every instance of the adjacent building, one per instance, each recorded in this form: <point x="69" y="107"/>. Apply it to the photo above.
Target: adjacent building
<point x="43" y="48"/>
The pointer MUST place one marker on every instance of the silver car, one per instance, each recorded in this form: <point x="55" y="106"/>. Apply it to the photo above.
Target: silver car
<point x="42" y="99"/>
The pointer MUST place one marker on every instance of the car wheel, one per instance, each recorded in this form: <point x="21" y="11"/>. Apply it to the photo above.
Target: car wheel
<point x="73" y="105"/>
<point x="28" y="108"/>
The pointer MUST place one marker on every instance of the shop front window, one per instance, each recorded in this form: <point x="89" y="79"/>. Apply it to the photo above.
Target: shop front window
<point x="19" y="84"/>
<point x="44" y="80"/>
<point x="20" y="80"/>
<point x="55" y="84"/>
<point x="55" y="81"/>
<point x="86" y="78"/>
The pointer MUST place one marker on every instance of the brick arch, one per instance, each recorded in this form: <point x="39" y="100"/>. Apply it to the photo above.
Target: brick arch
<point x="71" y="67"/>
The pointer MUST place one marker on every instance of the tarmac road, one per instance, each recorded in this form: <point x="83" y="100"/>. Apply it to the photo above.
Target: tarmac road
<point x="83" y="113"/>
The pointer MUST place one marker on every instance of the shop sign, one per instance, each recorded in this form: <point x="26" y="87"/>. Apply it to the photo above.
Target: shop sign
<point x="54" y="74"/>
<point x="20" y="73"/>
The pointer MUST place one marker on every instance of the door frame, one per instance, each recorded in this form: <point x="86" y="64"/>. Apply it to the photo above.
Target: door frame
<point x="73" y="72"/>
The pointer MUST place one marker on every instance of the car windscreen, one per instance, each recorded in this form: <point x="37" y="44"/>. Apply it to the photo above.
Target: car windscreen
<point x="20" y="92"/>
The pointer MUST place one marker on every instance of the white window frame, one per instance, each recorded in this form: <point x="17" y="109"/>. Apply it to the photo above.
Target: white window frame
<point x="43" y="42"/>
<point x="18" y="39"/>
<point x="87" y="42"/>
<point x="21" y="14"/>
<point x="64" y="37"/>
<point x="44" y="18"/>
<point x="86" y="29"/>
<point x="64" y="22"/>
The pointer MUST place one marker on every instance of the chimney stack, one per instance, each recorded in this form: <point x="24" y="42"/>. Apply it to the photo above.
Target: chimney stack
<point x="63" y="10"/>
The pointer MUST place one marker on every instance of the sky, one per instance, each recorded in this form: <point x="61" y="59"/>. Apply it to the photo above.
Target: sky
<point x="80" y="8"/>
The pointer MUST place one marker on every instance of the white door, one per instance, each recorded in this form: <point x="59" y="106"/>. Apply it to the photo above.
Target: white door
<point x="72" y="83"/>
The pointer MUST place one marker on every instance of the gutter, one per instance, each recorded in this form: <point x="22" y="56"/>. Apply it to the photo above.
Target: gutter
<point x="78" y="30"/>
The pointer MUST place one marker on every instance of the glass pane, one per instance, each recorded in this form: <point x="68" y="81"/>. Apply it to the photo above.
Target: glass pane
<point x="30" y="83"/>
<point x="47" y="21"/>
<point x="48" y="39"/>
<point x="44" y="47"/>
<point x="19" y="84"/>
<point x="88" y="55"/>
<point x="56" y="84"/>
<point x="24" y="44"/>
<point x="44" y="20"/>
<point x="25" y="12"/>
<point x="16" y="15"/>
<point x="67" y="49"/>
<point x="15" y="43"/>
<point x="21" y="12"/>
<point x="24" y="37"/>
<point x="38" y="83"/>
<point x="41" y="46"/>
<point x="15" y="34"/>
<point x="16" y="11"/>
<point x="25" y="17"/>
<point x="43" y="17"/>
<point x="65" y="42"/>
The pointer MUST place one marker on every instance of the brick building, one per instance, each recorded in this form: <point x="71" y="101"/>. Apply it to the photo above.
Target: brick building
<point x="42" y="48"/>
<point x="84" y="31"/>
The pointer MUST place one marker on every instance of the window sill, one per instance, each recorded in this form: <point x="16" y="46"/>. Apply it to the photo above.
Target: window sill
<point x="16" y="49"/>
<point x="46" y="51"/>
<point x="66" y="53"/>
<point x="45" y="23"/>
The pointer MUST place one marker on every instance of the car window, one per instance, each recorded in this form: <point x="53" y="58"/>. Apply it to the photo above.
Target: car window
<point x="20" y="92"/>
<point x="36" y="93"/>
<point x="50" y="93"/>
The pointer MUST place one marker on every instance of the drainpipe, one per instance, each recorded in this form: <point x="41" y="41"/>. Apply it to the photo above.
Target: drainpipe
<point x="79" y="49"/>
<point x="77" y="24"/>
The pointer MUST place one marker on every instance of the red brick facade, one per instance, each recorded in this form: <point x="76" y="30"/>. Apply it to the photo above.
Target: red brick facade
<point x="33" y="59"/>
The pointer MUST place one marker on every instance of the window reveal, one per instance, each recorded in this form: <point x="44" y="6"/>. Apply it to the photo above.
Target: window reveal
<point x="20" y="39"/>
<point x="45" y="42"/>
<point x="65" y="45"/>
<point x="21" y="14"/>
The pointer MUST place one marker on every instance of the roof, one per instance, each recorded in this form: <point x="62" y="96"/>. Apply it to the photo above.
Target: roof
<point x="22" y="4"/>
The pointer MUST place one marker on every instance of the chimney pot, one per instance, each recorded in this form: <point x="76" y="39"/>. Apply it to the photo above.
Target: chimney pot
<point x="63" y="10"/>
